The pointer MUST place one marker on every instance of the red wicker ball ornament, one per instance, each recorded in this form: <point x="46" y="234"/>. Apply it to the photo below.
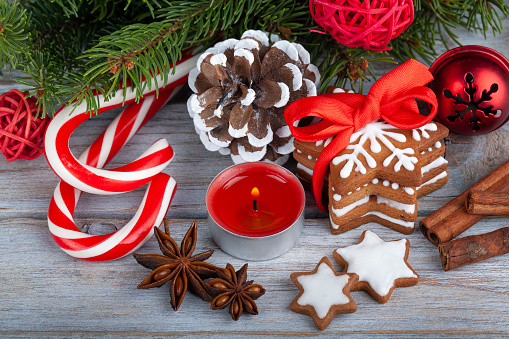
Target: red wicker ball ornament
<point x="21" y="135"/>
<point x="472" y="88"/>
<point x="368" y="24"/>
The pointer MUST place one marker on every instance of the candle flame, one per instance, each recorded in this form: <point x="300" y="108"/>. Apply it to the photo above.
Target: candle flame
<point x="255" y="192"/>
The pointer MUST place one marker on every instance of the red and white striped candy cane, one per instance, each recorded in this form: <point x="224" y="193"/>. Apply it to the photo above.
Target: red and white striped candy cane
<point x="86" y="174"/>
<point x="107" y="181"/>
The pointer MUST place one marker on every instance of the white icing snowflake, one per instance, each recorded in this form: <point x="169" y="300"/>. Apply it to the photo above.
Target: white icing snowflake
<point x="375" y="132"/>
<point x="428" y="127"/>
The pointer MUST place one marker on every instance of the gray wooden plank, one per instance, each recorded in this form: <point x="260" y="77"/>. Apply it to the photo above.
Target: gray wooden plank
<point x="188" y="167"/>
<point x="46" y="292"/>
<point x="31" y="183"/>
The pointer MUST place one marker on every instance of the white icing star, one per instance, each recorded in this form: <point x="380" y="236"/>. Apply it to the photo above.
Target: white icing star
<point x="323" y="290"/>
<point x="377" y="262"/>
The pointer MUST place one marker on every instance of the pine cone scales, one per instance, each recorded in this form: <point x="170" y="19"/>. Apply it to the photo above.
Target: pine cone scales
<point x="242" y="88"/>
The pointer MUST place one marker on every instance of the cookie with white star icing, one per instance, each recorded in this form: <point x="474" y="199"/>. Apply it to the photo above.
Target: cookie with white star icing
<point x="397" y="214"/>
<point x="381" y="174"/>
<point x="324" y="293"/>
<point x="372" y="208"/>
<point x="381" y="265"/>
<point x="379" y="150"/>
<point x="360" y="161"/>
<point x="385" y="202"/>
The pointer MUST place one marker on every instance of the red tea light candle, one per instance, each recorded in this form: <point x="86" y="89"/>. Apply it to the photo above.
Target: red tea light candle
<point x="256" y="210"/>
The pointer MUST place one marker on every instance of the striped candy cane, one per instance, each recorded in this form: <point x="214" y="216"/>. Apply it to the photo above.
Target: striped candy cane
<point x="107" y="181"/>
<point x="86" y="174"/>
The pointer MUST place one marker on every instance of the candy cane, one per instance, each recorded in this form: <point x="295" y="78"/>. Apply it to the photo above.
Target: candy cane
<point x="139" y="229"/>
<point x="146" y="168"/>
<point x="107" y="181"/>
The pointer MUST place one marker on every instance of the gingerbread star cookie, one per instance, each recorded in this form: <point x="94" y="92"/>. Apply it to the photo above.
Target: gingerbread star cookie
<point x="381" y="265"/>
<point x="380" y="175"/>
<point x="324" y="293"/>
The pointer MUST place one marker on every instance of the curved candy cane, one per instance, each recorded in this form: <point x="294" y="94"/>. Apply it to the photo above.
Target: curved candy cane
<point x="87" y="173"/>
<point x="153" y="207"/>
<point x="107" y="181"/>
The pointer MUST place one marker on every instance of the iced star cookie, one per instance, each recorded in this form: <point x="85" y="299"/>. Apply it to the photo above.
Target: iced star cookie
<point x="381" y="151"/>
<point x="380" y="175"/>
<point x="372" y="208"/>
<point x="370" y="180"/>
<point x="324" y="293"/>
<point x="360" y="159"/>
<point x="381" y="265"/>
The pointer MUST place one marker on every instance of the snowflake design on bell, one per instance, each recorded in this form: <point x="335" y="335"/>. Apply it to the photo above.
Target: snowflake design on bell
<point x="241" y="89"/>
<point x="472" y="105"/>
<point x="375" y="132"/>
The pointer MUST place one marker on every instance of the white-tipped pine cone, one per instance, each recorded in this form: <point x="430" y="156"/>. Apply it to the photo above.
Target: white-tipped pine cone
<point x="242" y="88"/>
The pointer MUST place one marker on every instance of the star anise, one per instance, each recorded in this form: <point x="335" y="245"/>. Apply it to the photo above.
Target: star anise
<point x="231" y="288"/>
<point x="178" y="266"/>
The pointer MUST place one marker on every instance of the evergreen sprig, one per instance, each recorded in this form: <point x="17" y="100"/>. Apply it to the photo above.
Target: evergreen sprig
<point x="435" y="21"/>
<point x="71" y="49"/>
<point x="14" y="34"/>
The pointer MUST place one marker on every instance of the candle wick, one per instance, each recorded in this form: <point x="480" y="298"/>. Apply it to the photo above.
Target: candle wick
<point x="255" y="205"/>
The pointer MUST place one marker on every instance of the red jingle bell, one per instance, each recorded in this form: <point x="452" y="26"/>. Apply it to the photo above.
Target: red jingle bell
<point x="472" y="87"/>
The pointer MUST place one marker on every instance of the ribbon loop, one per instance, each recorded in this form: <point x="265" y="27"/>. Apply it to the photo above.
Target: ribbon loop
<point x="391" y="98"/>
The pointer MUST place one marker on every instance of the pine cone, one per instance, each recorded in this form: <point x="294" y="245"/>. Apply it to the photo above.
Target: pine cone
<point x="242" y="88"/>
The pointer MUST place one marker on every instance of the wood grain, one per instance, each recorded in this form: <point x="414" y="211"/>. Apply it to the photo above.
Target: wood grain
<point x="44" y="292"/>
<point x="192" y="172"/>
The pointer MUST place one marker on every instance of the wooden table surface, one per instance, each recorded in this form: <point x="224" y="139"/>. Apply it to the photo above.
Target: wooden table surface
<point x="45" y="292"/>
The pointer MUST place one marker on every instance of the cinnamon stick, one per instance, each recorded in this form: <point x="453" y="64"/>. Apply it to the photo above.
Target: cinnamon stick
<point x="474" y="248"/>
<point x="452" y="219"/>
<point x="487" y="203"/>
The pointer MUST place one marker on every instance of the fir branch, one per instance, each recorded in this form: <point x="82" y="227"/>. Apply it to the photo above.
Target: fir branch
<point x="52" y="59"/>
<point x="101" y="9"/>
<point x="136" y="39"/>
<point x="70" y="7"/>
<point x="136" y="51"/>
<point x="435" y="21"/>
<point x="139" y="51"/>
<point x="14" y="34"/>
<point x="61" y="38"/>
<point x="151" y="5"/>
<point x="43" y="83"/>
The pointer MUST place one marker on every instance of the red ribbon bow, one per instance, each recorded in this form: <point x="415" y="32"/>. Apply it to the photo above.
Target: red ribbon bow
<point x="391" y="98"/>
